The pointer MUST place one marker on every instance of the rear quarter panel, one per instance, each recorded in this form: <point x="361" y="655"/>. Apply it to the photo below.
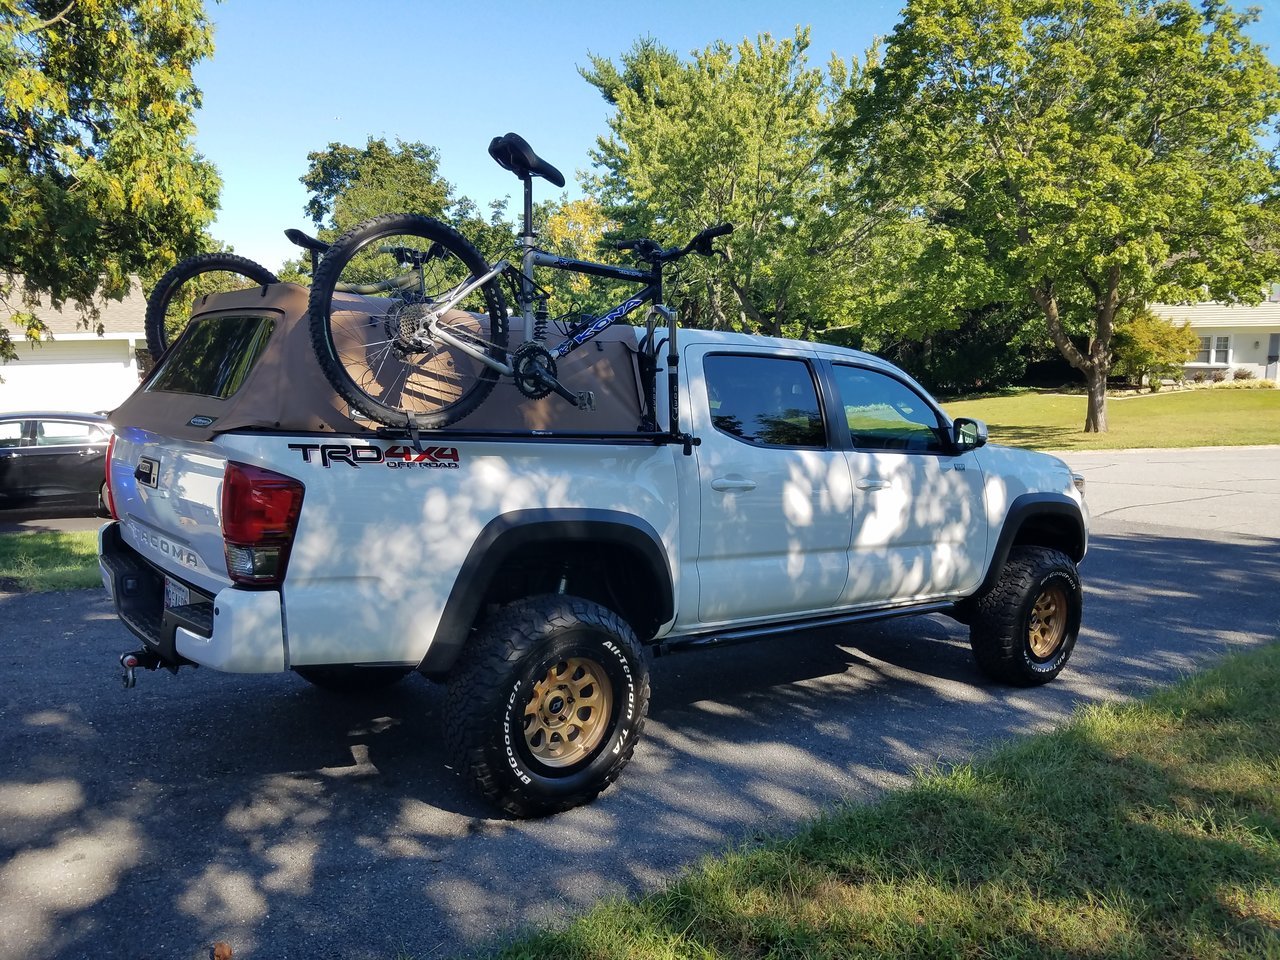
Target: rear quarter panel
<point x="384" y="531"/>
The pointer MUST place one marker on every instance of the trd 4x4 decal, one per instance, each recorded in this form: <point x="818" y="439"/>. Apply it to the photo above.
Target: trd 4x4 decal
<point x="396" y="456"/>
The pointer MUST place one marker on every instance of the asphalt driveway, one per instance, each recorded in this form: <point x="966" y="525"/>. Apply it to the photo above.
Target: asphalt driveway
<point x="290" y="823"/>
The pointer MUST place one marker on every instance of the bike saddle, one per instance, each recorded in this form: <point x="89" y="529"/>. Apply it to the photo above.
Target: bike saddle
<point x="304" y="241"/>
<point x="513" y="153"/>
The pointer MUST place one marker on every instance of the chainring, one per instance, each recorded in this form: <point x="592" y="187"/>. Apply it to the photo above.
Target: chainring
<point x="525" y="364"/>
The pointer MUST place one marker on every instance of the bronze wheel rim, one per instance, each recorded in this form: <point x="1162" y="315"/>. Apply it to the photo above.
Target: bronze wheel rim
<point x="1048" y="622"/>
<point x="568" y="713"/>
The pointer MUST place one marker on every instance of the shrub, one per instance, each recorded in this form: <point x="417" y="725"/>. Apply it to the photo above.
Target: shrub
<point x="1243" y="373"/>
<point x="1151" y="348"/>
<point x="1219" y="376"/>
<point x="1199" y="377"/>
<point x="1246" y="385"/>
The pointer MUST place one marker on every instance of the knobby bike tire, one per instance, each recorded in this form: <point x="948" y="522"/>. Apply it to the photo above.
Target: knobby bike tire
<point x="424" y="384"/>
<point x="185" y="271"/>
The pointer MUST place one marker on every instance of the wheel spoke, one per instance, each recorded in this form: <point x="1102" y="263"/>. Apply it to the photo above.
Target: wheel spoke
<point x="567" y="714"/>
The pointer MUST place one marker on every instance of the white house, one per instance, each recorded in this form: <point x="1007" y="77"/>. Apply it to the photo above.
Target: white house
<point x="77" y="369"/>
<point x="1232" y="337"/>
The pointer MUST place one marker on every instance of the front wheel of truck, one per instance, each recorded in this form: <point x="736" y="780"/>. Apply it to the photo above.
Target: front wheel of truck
<point x="546" y="704"/>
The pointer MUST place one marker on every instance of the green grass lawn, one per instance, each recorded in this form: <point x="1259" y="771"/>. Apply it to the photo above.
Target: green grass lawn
<point x="1148" y="830"/>
<point x="1194" y="418"/>
<point x="49" y="561"/>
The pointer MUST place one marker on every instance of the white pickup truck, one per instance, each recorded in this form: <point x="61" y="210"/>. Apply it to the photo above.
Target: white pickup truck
<point x="535" y="564"/>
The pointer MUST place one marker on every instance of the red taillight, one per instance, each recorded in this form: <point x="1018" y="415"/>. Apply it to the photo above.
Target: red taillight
<point x="110" y="497"/>
<point x="259" y="517"/>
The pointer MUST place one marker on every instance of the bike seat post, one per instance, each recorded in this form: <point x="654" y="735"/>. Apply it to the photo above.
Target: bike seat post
<point x="527" y="238"/>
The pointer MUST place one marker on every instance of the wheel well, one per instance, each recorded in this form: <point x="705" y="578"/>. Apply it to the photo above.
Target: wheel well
<point x="614" y="575"/>
<point x="1054" y="531"/>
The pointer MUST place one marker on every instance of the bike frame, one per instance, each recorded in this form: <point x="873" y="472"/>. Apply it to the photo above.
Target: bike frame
<point x="578" y="335"/>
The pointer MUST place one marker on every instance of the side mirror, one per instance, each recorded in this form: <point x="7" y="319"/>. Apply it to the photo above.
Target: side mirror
<point x="968" y="434"/>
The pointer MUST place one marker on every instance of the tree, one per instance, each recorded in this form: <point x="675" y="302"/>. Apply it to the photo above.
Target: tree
<point x="99" y="179"/>
<point x="733" y="135"/>
<point x="576" y="229"/>
<point x="1084" y="156"/>
<point x="348" y="185"/>
<point x="1148" y="347"/>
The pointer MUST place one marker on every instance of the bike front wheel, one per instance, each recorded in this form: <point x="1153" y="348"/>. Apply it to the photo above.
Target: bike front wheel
<point x="400" y="326"/>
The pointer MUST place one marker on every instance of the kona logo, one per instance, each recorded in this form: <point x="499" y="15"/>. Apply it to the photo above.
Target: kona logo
<point x="169" y="548"/>
<point x="395" y="456"/>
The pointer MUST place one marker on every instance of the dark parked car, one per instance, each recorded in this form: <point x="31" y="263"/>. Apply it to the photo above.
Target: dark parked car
<point x="53" y="459"/>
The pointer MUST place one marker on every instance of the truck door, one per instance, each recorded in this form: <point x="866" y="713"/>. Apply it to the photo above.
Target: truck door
<point x="774" y="494"/>
<point x="919" y="528"/>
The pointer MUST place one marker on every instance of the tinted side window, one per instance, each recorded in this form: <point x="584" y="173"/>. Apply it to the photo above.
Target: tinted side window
<point x="11" y="432"/>
<point x="886" y="414"/>
<point x="55" y="432"/>
<point x="767" y="401"/>
<point x="213" y="359"/>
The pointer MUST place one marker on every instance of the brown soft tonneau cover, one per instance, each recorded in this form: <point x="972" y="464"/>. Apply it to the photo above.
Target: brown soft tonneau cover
<point x="287" y="391"/>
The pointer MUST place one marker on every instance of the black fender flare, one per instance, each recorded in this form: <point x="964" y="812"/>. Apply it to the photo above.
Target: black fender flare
<point x="1058" y="507"/>
<point x="505" y="534"/>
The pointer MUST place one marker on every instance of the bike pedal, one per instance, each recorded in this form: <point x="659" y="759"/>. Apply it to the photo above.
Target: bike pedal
<point x="587" y="400"/>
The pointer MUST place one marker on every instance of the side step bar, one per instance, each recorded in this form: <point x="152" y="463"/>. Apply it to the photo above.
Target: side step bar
<point x="701" y="641"/>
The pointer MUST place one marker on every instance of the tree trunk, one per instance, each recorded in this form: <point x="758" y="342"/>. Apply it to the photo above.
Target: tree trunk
<point x="1095" y="418"/>
<point x="1097" y="364"/>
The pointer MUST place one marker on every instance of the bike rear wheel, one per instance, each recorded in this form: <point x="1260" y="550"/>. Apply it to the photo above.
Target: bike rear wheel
<point x="380" y="298"/>
<point x="169" y="305"/>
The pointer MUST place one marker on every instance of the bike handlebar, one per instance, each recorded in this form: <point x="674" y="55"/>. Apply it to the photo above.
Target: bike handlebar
<point x="646" y="249"/>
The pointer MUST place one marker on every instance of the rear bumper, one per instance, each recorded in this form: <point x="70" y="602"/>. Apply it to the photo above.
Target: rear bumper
<point x="236" y="631"/>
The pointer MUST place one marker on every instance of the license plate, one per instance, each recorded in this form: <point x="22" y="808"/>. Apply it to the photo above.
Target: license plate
<point x="175" y="594"/>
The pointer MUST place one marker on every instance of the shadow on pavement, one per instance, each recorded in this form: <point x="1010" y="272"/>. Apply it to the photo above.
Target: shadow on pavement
<point x="264" y="812"/>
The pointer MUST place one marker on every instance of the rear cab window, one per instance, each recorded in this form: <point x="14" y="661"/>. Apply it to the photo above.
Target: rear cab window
<point x="214" y="357"/>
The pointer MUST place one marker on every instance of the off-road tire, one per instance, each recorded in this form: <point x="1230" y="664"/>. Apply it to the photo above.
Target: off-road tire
<point x="353" y="681"/>
<point x="503" y="676"/>
<point x="320" y="307"/>
<point x="1035" y="603"/>
<point x="183" y="272"/>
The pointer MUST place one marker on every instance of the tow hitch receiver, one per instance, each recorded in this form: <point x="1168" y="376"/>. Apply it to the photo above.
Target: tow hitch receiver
<point x="132" y="661"/>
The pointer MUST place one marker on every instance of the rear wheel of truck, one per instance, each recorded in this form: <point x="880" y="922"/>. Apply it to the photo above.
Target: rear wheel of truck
<point x="1024" y="628"/>
<point x="352" y="680"/>
<point x="546" y="705"/>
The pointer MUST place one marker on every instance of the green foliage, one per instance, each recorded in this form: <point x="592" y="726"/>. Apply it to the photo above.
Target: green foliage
<point x="734" y="135"/>
<point x="988" y="349"/>
<point x="99" y="178"/>
<point x="349" y="185"/>
<point x="1147" y="347"/>
<point x="1084" y="157"/>
<point x="577" y="229"/>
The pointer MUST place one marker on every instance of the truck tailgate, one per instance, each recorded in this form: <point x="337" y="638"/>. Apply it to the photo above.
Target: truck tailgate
<point x="167" y="494"/>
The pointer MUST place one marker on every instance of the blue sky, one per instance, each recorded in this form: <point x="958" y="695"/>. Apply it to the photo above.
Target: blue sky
<point x="289" y="77"/>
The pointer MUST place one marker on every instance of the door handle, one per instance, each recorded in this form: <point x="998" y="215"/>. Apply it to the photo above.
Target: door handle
<point x="873" y="483"/>
<point x="732" y="483"/>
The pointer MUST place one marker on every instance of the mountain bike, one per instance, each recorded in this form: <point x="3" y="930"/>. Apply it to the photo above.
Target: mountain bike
<point x="410" y="322"/>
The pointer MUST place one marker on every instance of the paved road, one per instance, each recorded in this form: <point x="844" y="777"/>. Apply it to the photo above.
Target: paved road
<point x="260" y="811"/>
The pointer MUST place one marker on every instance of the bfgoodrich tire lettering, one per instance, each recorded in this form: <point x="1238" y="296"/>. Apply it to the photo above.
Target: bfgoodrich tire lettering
<point x="546" y="704"/>
<point x="1025" y="627"/>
